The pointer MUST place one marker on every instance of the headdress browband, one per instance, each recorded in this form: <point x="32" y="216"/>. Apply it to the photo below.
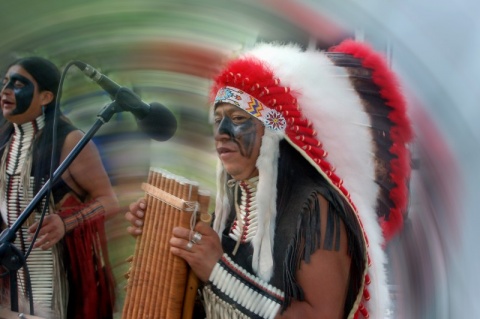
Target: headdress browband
<point x="271" y="118"/>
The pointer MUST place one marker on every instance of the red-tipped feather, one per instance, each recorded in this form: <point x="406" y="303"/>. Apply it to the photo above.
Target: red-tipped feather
<point x="400" y="132"/>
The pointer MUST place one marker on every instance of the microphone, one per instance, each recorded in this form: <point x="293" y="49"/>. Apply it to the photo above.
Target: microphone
<point x="154" y="119"/>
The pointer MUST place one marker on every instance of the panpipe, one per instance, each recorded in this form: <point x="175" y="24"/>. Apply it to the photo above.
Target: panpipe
<point x="159" y="284"/>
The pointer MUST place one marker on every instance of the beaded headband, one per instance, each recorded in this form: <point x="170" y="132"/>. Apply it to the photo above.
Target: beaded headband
<point x="271" y="118"/>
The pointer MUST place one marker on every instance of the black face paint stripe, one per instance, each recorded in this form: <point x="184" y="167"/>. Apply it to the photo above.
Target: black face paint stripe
<point x="23" y="95"/>
<point x="226" y="127"/>
<point x="243" y="134"/>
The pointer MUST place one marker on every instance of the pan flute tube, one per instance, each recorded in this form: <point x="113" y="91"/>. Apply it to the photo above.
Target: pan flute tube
<point x="153" y="248"/>
<point x="191" y="286"/>
<point x="189" y="193"/>
<point x="167" y="222"/>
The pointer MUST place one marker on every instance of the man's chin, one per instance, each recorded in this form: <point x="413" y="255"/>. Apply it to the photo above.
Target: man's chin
<point x="234" y="173"/>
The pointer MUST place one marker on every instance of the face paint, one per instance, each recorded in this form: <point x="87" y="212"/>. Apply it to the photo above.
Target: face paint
<point x="238" y="139"/>
<point x="243" y="133"/>
<point x="23" y="89"/>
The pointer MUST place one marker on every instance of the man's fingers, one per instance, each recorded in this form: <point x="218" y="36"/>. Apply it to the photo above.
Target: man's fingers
<point x="134" y="230"/>
<point x="137" y="208"/>
<point x="181" y="232"/>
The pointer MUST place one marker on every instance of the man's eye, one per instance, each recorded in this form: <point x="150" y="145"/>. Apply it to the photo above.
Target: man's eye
<point x="239" y="118"/>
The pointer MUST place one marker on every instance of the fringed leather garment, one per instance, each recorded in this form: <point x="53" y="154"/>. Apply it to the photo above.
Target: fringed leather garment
<point x="297" y="237"/>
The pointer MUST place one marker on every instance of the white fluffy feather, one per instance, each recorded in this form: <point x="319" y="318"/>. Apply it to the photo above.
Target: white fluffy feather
<point x="327" y="98"/>
<point x="263" y="241"/>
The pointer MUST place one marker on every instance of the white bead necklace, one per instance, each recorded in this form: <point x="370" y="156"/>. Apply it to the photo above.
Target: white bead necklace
<point x="245" y="225"/>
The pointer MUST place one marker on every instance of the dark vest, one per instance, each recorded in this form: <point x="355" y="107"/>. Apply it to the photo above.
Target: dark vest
<point x="300" y="219"/>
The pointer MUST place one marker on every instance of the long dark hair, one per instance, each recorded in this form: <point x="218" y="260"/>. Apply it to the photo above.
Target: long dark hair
<point x="47" y="76"/>
<point x="294" y="171"/>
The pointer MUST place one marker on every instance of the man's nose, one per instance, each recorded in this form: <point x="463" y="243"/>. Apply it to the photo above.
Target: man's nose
<point x="224" y="129"/>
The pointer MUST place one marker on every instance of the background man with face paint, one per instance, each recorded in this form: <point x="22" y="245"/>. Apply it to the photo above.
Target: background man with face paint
<point x="309" y="176"/>
<point x="72" y="278"/>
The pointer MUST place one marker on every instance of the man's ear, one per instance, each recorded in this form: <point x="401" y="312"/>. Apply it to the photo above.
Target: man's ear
<point x="46" y="97"/>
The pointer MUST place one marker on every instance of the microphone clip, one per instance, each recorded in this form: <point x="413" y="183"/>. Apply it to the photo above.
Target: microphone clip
<point x="127" y="100"/>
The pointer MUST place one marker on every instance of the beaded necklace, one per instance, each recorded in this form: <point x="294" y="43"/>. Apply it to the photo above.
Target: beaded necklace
<point x="16" y="190"/>
<point x="245" y="225"/>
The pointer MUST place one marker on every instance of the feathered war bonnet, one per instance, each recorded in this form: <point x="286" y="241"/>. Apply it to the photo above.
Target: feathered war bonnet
<point x="343" y="111"/>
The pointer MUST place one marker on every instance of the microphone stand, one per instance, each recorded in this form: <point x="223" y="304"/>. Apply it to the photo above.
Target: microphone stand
<point x="11" y="257"/>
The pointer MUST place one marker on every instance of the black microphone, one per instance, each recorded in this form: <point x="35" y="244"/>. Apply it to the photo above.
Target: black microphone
<point x="154" y="119"/>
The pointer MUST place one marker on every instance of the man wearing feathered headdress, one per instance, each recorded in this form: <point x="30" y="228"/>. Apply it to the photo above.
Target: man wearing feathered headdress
<point x="311" y="182"/>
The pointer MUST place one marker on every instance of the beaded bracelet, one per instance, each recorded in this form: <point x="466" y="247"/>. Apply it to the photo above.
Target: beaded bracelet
<point x="249" y="293"/>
